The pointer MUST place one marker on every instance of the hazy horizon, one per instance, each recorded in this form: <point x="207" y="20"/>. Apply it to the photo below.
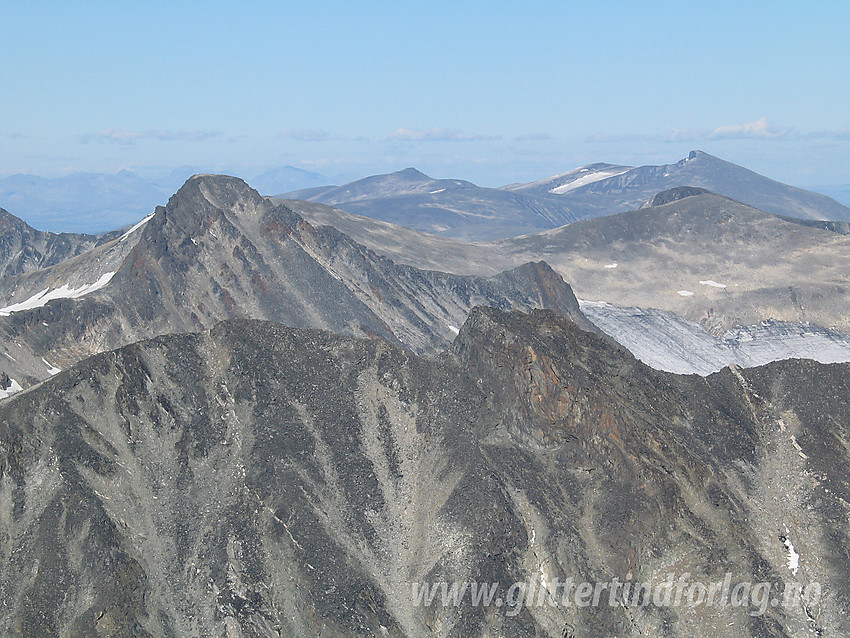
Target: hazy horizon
<point x="492" y="93"/>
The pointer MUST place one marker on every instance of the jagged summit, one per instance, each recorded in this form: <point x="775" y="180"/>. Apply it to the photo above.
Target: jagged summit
<point x="223" y="191"/>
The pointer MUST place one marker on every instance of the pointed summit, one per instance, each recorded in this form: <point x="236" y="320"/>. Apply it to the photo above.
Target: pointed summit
<point x="223" y="191"/>
<point x="412" y="173"/>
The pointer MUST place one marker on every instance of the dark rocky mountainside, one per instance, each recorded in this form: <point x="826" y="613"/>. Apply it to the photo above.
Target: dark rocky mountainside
<point x="219" y="250"/>
<point x="674" y="194"/>
<point x="25" y="249"/>
<point x="257" y="480"/>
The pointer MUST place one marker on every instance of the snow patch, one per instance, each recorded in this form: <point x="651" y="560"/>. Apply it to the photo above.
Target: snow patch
<point x="14" y="386"/>
<point x="714" y="284"/>
<point x="440" y="190"/>
<point x="63" y="292"/>
<point x="51" y="369"/>
<point x="666" y="341"/>
<point x="798" y="448"/>
<point x="684" y="293"/>
<point x="454" y="329"/>
<point x="136" y="227"/>
<point x="610" y="265"/>
<point x="584" y="180"/>
<point x="793" y="556"/>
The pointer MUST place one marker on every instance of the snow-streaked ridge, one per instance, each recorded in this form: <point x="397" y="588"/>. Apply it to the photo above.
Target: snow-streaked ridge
<point x="136" y="227"/>
<point x="63" y="292"/>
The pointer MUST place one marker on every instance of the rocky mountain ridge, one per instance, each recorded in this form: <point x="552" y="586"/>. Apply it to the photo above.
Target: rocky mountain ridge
<point x="219" y="250"/>
<point x="259" y="480"/>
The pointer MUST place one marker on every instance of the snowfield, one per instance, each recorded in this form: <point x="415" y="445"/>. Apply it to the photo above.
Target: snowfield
<point x="63" y="292"/>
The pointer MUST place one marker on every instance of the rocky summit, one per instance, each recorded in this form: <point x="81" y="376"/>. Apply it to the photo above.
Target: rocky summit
<point x="259" y="480"/>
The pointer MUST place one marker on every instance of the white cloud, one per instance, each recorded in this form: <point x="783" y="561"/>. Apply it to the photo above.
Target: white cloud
<point x="533" y="137"/>
<point x="761" y="128"/>
<point x="122" y="136"/>
<point x="308" y="135"/>
<point x="436" y="135"/>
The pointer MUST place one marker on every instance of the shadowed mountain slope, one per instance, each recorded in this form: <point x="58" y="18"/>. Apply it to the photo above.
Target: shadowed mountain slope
<point x="24" y="249"/>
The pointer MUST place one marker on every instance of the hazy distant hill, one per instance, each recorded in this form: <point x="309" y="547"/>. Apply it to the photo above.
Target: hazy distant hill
<point x="613" y="189"/>
<point x="286" y="178"/>
<point x="80" y="202"/>
<point x="449" y="207"/>
<point x="462" y="210"/>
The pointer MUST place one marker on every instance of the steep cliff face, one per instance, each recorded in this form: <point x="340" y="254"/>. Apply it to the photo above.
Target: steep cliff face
<point x="258" y="480"/>
<point x="219" y="250"/>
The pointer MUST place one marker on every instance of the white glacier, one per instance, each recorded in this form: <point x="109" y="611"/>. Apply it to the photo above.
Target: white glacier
<point x="666" y="341"/>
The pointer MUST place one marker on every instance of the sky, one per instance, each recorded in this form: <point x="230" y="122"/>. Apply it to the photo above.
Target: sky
<point x="493" y="92"/>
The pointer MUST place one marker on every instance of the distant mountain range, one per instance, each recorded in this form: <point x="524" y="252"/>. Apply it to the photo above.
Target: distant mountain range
<point x="448" y="207"/>
<point x="96" y="203"/>
<point x="614" y="189"/>
<point x="461" y="210"/>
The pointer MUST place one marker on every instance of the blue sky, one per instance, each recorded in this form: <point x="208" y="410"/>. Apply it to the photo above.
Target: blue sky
<point x="492" y="92"/>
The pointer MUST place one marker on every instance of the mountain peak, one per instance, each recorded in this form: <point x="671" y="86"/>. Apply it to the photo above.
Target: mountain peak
<point x="222" y="191"/>
<point x="408" y="175"/>
<point x="675" y="194"/>
<point x="412" y="173"/>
